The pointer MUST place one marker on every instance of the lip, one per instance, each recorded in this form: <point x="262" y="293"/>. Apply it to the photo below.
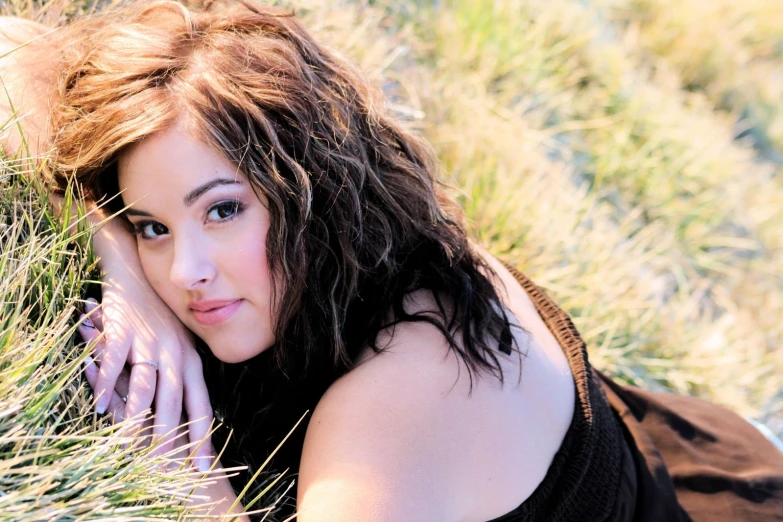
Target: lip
<point x="216" y="311"/>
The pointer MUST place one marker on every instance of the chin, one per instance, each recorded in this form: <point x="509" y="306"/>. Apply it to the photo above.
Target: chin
<point x="235" y="353"/>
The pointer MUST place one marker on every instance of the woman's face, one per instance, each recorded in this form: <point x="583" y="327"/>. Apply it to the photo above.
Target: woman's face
<point x="201" y="234"/>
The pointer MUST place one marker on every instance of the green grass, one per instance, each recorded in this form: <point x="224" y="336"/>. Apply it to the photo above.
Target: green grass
<point x="626" y="154"/>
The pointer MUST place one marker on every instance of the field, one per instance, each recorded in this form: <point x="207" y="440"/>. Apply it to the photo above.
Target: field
<point x="625" y="154"/>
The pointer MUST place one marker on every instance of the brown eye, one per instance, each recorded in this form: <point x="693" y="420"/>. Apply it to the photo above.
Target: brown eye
<point x="224" y="210"/>
<point x="151" y="229"/>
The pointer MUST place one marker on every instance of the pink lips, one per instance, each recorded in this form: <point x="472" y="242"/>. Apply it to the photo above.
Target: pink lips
<point x="210" y="313"/>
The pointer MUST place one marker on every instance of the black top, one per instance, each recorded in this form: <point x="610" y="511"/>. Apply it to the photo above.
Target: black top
<point x="591" y="476"/>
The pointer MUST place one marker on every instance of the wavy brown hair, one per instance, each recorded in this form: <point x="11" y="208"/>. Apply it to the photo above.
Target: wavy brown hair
<point x="358" y="220"/>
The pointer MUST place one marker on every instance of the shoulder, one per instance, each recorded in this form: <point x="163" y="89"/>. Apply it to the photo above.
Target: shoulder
<point x="17" y="31"/>
<point x="404" y="435"/>
<point x="377" y="436"/>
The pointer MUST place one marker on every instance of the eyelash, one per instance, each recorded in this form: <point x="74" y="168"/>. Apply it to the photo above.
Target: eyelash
<point x="236" y="206"/>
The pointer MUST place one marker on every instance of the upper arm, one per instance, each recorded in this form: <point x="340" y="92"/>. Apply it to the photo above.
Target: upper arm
<point x="369" y="455"/>
<point x="28" y="74"/>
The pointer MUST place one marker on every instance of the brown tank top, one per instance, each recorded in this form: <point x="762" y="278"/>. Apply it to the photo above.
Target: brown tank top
<point x="591" y="477"/>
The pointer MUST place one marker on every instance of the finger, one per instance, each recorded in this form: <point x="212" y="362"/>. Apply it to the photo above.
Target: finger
<point x="123" y="383"/>
<point x="199" y="413"/>
<point x="95" y="312"/>
<point x="90" y="371"/>
<point x="139" y="429"/>
<point x="141" y="383"/>
<point x="114" y="356"/>
<point x="116" y="409"/>
<point x="168" y="400"/>
<point x="141" y="388"/>
<point x="116" y="406"/>
<point x="87" y="330"/>
<point x="92" y="337"/>
<point x="94" y="319"/>
<point x="141" y="391"/>
<point x="180" y="454"/>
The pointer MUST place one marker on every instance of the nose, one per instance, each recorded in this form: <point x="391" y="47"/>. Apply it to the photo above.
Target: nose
<point x="192" y="266"/>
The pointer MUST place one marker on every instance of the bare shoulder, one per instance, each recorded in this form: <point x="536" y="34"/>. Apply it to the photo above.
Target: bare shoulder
<point x="373" y="447"/>
<point x="404" y="436"/>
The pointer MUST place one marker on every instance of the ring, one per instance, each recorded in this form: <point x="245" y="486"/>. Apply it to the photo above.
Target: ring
<point x="147" y="362"/>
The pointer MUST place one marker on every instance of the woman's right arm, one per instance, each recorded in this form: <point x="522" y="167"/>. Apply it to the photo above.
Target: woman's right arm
<point x="27" y="74"/>
<point x="138" y="325"/>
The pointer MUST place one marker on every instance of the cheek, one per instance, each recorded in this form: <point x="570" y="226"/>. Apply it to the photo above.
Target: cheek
<point x="246" y="260"/>
<point x="156" y="269"/>
<point x="247" y="265"/>
<point x="245" y="271"/>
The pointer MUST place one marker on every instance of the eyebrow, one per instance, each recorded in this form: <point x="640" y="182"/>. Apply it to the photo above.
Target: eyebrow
<point x="197" y="192"/>
<point x="191" y="196"/>
<point x="133" y="212"/>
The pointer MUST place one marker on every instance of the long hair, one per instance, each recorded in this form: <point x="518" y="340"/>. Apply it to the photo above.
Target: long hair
<point x="358" y="219"/>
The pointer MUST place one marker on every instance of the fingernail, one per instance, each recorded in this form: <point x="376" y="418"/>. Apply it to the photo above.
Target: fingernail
<point x="88" y="361"/>
<point x="203" y="464"/>
<point x="101" y="405"/>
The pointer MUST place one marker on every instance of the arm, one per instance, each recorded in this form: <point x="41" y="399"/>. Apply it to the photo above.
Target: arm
<point x="138" y="326"/>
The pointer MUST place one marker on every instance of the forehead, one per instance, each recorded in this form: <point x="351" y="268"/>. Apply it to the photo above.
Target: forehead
<point x="170" y="162"/>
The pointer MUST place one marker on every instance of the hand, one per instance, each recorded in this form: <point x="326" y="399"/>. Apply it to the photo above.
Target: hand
<point x="214" y="496"/>
<point x="117" y="403"/>
<point x="138" y="326"/>
<point x="144" y="377"/>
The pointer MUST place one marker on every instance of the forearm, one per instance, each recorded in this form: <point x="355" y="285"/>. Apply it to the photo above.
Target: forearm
<point x="28" y="69"/>
<point x="114" y="245"/>
<point x="112" y="240"/>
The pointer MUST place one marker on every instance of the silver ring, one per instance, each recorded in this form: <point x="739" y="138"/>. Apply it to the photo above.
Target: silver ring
<point x="147" y="362"/>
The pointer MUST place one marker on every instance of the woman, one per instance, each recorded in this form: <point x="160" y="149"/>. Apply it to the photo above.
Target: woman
<point x="292" y="226"/>
<point x="359" y="242"/>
